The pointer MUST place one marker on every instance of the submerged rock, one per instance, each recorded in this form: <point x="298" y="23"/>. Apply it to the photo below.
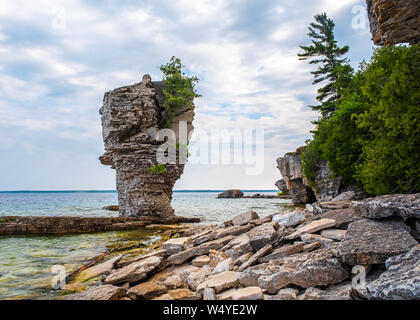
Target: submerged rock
<point x="105" y="292"/>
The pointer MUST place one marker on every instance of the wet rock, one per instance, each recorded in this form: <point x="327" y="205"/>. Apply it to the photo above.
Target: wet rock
<point x="400" y="205"/>
<point x="146" y="291"/>
<point x="221" y="281"/>
<point x="253" y="260"/>
<point x="401" y="281"/>
<point x="201" y="261"/>
<point x="372" y="242"/>
<point x="286" y="294"/>
<point x="105" y="292"/>
<point x="342" y="217"/>
<point x="312" y="227"/>
<point x="175" y="245"/>
<point x="134" y="272"/>
<point x="334" y="234"/>
<point x="261" y="236"/>
<point x="98" y="270"/>
<point x="225" y="265"/>
<point x="290" y="219"/>
<point x="244" y="218"/>
<point x="282" y="252"/>
<point x="230" y="194"/>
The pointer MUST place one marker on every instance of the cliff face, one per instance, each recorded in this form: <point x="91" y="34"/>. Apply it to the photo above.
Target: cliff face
<point x="394" y="21"/>
<point x="326" y="185"/>
<point x="130" y="116"/>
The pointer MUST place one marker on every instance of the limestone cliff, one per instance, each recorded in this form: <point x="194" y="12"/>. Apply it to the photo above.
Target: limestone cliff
<point x="130" y="127"/>
<point x="326" y="184"/>
<point x="394" y="21"/>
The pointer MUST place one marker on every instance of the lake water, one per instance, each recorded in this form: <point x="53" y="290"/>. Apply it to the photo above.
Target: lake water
<point x="26" y="261"/>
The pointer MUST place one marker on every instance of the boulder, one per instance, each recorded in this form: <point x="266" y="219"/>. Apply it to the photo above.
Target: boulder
<point x="248" y="293"/>
<point x="134" y="272"/>
<point x="262" y="235"/>
<point x="345" y="196"/>
<point x="334" y="234"/>
<point x="183" y="294"/>
<point x="316" y="268"/>
<point x="198" y="277"/>
<point x="399" y="205"/>
<point x="282" y="186"/>
<point x="201" y="261"/>
<point x="401" y="280"/>
<point x="239" y="246"/>
<point x="244" y="218"/>
<point x="312" y="227"/>
<point x="253" y="260"/>
<point x="225" y="265"/>
<point x="290" y="219"/>
<point x="342" y="217"/>
<point x="175" y="245"/>
<point x="221" y="281"/>
<point x="286" y="294"/>
<point x="372" y="242"/>
<point x="283" y="251"/>
<point x="230" y="194"/>
<point x="146" y="291"/>
<point x="105" y="292"/>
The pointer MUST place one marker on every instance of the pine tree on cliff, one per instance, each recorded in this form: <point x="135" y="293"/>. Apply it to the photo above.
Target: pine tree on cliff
<point x="325" y="51"/>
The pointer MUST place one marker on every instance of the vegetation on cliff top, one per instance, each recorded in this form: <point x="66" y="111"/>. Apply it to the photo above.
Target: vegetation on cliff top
<point x="371" y="138"/>
<point x="179" y="90"/>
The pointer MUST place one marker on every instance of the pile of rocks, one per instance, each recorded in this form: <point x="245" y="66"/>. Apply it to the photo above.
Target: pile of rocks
<point x="303" y="254"/>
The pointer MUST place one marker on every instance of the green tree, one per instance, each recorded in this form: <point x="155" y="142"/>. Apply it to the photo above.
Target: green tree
<point x="179" y="90"/>
<point x="391" y="150"/>
<point x="325" y="51"/>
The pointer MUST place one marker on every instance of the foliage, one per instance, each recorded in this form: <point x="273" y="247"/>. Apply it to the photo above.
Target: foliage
<point x="372" y="138"/>
<point x="157" y="169"/>
<point x="179" y="90"/>
<point x="333" y="70"/>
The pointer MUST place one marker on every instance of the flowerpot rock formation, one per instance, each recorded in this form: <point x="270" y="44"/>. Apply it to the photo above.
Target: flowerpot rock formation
<point x="130" y="128"/>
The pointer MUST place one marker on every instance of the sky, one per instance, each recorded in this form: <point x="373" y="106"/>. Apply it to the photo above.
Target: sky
<point x="57" y="58"/>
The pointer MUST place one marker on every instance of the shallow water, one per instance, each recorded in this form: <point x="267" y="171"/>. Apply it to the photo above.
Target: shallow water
<point x="26" y="261"/>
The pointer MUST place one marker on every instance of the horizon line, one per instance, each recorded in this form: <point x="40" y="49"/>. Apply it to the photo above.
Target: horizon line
<point x="113" y="190"/>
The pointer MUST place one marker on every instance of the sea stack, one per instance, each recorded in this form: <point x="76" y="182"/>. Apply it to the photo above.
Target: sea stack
<point x="131" y="118"/>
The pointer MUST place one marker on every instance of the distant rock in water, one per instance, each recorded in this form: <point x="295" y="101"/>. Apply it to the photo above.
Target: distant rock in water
<point x="230" y="194"/>
<point x="112" y="208"/>
<point x="130" y="127"/>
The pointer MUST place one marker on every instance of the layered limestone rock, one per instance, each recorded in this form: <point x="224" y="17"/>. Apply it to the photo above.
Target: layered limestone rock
<point x="291" y="170"/>
<point x="394" y="21"/>
<point x="130" y="127"/>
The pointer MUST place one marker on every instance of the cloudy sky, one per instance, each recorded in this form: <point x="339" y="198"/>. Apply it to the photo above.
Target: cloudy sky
<point x="57" y="58"/>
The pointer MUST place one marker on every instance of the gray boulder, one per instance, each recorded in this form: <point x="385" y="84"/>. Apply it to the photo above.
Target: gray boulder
<point x="401" y="281"/>
<point x="372" y="242"/>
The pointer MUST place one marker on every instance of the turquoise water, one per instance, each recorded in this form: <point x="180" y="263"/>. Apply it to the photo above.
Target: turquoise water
<point x="26" y="261"/>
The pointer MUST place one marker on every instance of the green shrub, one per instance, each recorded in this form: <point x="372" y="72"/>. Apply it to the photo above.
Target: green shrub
<point x="157" y="169"/>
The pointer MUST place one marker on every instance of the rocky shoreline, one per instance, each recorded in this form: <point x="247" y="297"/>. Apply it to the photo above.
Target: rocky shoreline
<point x="303" y="254"/>
<point x="21" y="225"/>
